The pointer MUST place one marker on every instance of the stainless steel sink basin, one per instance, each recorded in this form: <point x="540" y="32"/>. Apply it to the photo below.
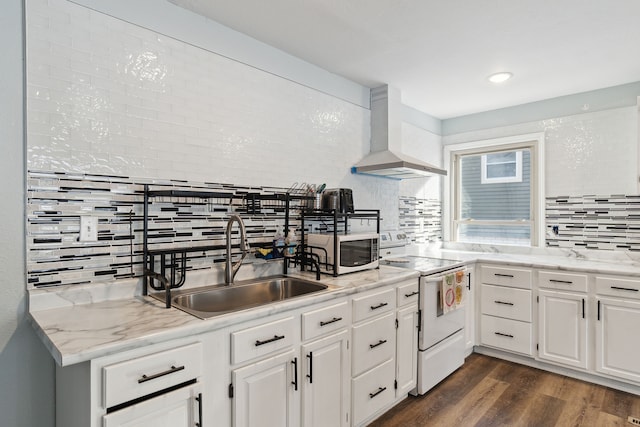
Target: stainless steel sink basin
<point x="214" y="301"/>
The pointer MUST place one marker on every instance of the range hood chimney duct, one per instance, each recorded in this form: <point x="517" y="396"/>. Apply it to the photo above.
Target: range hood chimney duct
<point x="386" y="159"/>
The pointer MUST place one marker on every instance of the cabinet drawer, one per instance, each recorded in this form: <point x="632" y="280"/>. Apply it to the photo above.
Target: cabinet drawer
<point x="261" y="340"/>
<point x="372" y="391"/>
<point x="510" y="303"/>
<point x="373" y="303"/>
<point x="128" y="380"/>
<point x="324" y="320"/>
<point x="566" y="281"/>
<point x="373" y="342"/>
<point x="506" y="276"/>
<point x="506" y="334"/>
<point x="408" y="293"/>
<point x="623" y="287"/>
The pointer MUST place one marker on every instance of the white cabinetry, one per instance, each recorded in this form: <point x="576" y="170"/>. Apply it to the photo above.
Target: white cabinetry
<point x="374" y="346"/>
<point x="326" y="366"/>
<point x="407" y="337"/>
<point x="562" y="318"/>
<point x="470" y="312"/>
<point x="506" y="319"/>
<point x="156" y="386"/>
<point x="618" y="321"/>
<point x="265" y="393"/>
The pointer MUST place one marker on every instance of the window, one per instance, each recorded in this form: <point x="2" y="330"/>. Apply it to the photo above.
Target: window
<point x="494" y="192"/>
<point x="502" y="167"/>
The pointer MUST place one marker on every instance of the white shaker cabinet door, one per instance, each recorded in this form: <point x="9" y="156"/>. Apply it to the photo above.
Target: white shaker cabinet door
<point x="617" y="344"/>
<point x="407" y="350"/>
<point x="266" y="393"/>
<point x="562" y="328"/>
<point x="325" y="393"/>
<point x="179" y="408"/>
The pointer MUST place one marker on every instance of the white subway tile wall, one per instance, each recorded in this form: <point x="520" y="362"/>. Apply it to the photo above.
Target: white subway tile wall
<point x="109" y="97"/>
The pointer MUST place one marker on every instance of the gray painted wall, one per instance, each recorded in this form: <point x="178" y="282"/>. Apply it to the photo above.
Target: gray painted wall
<point x="26" y="368"/>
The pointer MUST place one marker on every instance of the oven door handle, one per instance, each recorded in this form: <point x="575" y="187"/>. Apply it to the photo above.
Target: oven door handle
<point x="430" y="279"/>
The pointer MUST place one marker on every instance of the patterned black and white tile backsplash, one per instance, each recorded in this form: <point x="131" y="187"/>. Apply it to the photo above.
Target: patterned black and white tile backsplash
<point x="594" y="222"/>
<point x="56" y="201"/>
<point x="421" y="219"/>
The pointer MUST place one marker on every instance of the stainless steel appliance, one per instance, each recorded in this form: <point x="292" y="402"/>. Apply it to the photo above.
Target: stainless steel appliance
<point x="340" y="199"/>
<point x="353" y="252"/>
<point x="441" y="344"/>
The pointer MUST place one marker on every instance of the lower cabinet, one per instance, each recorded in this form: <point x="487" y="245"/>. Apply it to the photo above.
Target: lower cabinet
<point x="325" y="383"/>
<point x="406" y="350"/>
<point x="617" y="346"/>
<point x="372" y="391"/>
<point x="562" y="328"/>
<point x="179" y="408"/>
<point x="266" y="393"/>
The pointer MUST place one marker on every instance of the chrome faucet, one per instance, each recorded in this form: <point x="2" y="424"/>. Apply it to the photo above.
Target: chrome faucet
<point x="230" y="269"/>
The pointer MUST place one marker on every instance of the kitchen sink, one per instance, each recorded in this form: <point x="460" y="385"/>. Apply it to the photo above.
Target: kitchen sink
<point x="214" y="301"/>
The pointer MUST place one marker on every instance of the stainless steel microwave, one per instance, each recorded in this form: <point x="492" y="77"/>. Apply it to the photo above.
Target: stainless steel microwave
<point x="353" y="252"/>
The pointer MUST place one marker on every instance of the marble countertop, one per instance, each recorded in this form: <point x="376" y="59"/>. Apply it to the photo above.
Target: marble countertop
<point x="79" y="332"/>
<point x="84" y="329"/>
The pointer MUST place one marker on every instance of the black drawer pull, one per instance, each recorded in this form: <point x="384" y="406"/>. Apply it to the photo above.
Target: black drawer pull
<point x="380" y="390"/>
<point x="618" y="288"/>
<point x="199" y="400"/>
<point x="275" y="338"/>
<point x="328" y="322"/>
<point x="377" y="344"/>
<point x="503" y="275"/>
<point x="382" y="304"/>
<point x="145" y="378"/>
<point x="568" y="282"/>
<point x="503" y="302"/>
<point x="411" y="294"/>
<point x="503" y="335"/>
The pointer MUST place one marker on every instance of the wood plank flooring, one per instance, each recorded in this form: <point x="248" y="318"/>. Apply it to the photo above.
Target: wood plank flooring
<point x="490" y="392"/>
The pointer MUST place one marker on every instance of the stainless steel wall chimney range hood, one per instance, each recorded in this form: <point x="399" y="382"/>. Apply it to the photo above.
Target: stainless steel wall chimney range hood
<point x="386" y="159"/>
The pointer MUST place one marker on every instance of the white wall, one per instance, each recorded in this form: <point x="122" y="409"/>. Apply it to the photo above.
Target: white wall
<point x="26" y="369"/>
<point x="585" y="154"/>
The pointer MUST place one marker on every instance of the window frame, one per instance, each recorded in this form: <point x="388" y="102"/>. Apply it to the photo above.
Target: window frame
<point x="451" y="208"/>
<point x="484" y="179"/>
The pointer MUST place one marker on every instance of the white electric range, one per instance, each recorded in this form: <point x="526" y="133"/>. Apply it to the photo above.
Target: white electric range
<point x="441" y="344"/>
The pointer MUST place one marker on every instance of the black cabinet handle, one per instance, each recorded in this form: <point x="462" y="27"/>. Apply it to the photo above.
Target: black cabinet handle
<point x="618" y="288"/>
<point x="583" y="308"/>
<point x="503" y="302"/>
<point x="328" y="322"/>
<point x="294" y="362"/>
<point x="503" y="335"/>
<point x="374" y="394"/>
<point x="598" y="310"/>
<point x="382" y="304"/>
<point x="173" y="369"/>
<point x="379" y="343"/>
<point x="503" y="275"/>
<point x="199" y="400"/>
<point x="411" y="294"/>
<point x="275" y="338"/>
<point x="310" y="374"/>
<point x="567" y="282"/>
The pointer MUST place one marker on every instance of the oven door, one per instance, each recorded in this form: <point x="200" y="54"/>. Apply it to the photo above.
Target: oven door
<point x="435" y="324"/>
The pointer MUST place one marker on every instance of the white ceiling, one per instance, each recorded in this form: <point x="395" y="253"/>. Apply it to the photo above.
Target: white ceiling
<point x="439" y="53"/>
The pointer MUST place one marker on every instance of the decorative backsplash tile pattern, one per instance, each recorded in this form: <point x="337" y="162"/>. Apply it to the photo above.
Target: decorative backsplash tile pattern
<point x="421" y="219"/>
<point x="57" y="200"/>
<point x="594" y="222"/>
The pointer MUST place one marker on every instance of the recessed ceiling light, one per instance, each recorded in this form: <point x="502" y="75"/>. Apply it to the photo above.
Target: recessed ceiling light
<point x="500" y="77"/>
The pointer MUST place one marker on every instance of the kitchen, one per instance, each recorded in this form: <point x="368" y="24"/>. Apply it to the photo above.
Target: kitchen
<point x="260" y="106"/>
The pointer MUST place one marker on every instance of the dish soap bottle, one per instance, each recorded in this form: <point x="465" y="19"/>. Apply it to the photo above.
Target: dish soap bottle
<point x="278" y="242"/>
<point x="291" y="242"/>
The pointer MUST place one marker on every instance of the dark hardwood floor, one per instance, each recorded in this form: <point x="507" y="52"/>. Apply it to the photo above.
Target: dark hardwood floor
<point x="491" y="392"/>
